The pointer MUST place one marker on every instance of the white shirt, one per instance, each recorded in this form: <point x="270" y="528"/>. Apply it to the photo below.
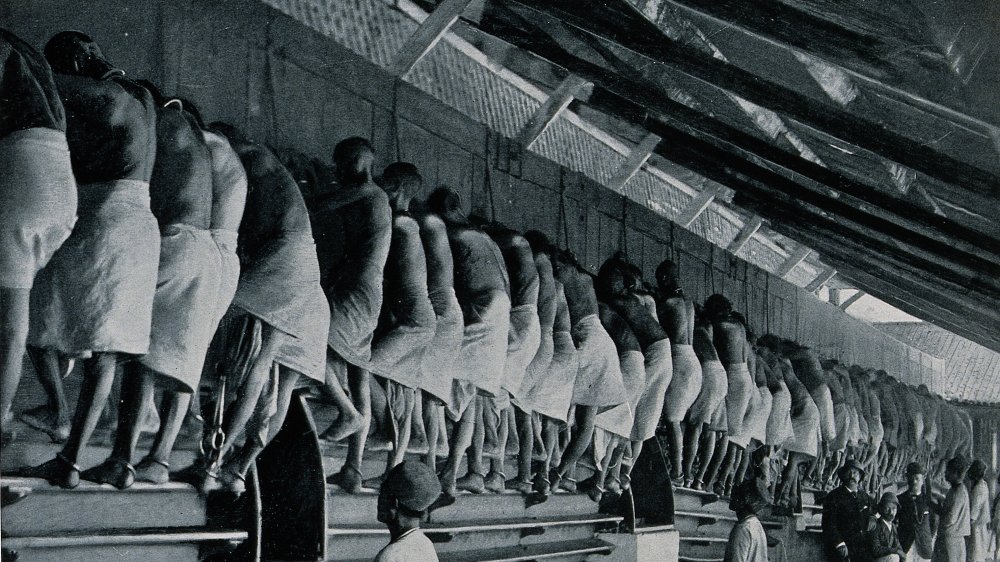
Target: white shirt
<point x="747" y="542"/>
<point x="411" y="546"/>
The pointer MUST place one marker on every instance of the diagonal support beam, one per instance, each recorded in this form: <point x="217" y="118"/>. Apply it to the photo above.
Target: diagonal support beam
<point x="697" y="206"/>
<point x="822" y="279"/>
<point x="634" y="162"/>
<point x="546" y="114"/>
<point x="427" y="35"/>
<point x="746" y="233"/>
<point x="797" y="257"/>
<point x="853" y="299"/>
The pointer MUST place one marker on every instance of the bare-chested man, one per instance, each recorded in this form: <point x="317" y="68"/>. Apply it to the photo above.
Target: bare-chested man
<point x="278" y="318"/>
<point x="229" y="194"/>
<point x="618" y="285"/>
<point x="751" y="436"/>
<point x="96" y="294"/>
<point x="599" y="385"/>
<point x="39" y="207"/>
<point x="803" y="446"/>
<point x="547" y="389"/>
<point x="408" y="321"/>
<point x="676" y="314"/>
<point x="810" y="372"/>
<point x="730" y="339"/>
<point x="353" y="227"/>
<point x="523" y="341"/>
<point x="707" y="415"/>
<point x="483" y="291"/>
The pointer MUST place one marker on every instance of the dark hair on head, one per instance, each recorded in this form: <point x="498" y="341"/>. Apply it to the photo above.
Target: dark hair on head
<point x="447" y="204"/>
<point x="399" y="172"/>
<point x="977" y="470"/>
<point x="350" y="147"/>
<point x="228" y="131"/>
<point x="666" y="269"/>
<point x="59" y="50"/>
<point x="158" y="98"/>
<point x="957" y="464"/>
<point x="190" y="107"/>
<point x="770" y="341"/>
<point x="410" y="512"/>
<point x="718" y="306"/>
<point x="539" y="242"/>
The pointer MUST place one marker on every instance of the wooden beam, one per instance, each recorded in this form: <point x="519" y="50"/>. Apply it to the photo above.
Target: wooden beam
<point x="797" y="257"/>
<point x="746" y="233"/>
<point x="822" y="279"/>
<point x="549" y="110"/>
<point x="853" y="299"/>
<point x="636" y="158"/>
<point x="427" y="35"/>
<point x="645" y="39"/>
<point x="697" y="206"/>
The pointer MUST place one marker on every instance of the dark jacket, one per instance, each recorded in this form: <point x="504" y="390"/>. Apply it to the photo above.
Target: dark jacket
<point x="916" y="523"/>
<point x="845" y="518"/>
<point x="881" y="540"/>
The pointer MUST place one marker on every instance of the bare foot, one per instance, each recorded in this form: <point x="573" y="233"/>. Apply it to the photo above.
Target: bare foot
<point x="152" y="470"/>
<point x="495" y="482"/>
<point x="592" y="488"/>
<point x="58" y="472"/>
<point x="346" y="425"/>
<point x="613" y="485"/>
<point x="379" y="444"/>
<point x="116" y="472"/>
<point x="522" y="486"/>
<point x="472" y="482"/>
<point x="150" y="420"/>
<point x="444" y="500"/>
<point x="197" y="475"/>
<point x="568" y="484"/>
<point x="232" y="481"/>
<point x="417" y="447"/>
<point x="347" y="479"/>
<point x="374" y="483"/>
<point x="46" y="420"/>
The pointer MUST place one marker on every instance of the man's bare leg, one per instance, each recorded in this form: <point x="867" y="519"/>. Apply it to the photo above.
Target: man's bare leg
<point x="578" y="444"/>
<point x="155" y="466"/>
<point x="526" y="447"/>
<point x="418" y="433"/>
<point x="675" y="442"/>
<point x="461" y="439"/>
<point x="496" y="480"/>
<point x="98" y="376"/>
<point x="400" y="412"/>
<point x="692" y="438"/>
<point x="550" y="440"/>
<point x="787" y="494"/>
<point x="53" y="417"/>
<point x="613" y="481"/>
<point x="710" y="477"/>
<point x="431" y="429"/>
<point x="594" y="486"/>
<point x="349" y="477"/>
<point x="13" y="336"/>
<point x="350" y="420"/>
<point x="707" y="453"/>
<point x="475" y="479"/>
<point x="727" y="478"/>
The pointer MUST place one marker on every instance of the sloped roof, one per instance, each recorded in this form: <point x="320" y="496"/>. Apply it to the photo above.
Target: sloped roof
<point x="972" y="372"/>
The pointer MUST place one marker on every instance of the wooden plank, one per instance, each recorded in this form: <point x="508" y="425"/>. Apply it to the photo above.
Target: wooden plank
<point x="697" y="206"/>
<point x="427" y="35"/>
<point x="797" y="257"/>
<point x="853" y="299"/>
<point x="822" y="279"/>
<point x="549" y="110"/>
<point x="636" y="158"/>
<point x="648" y="41"/>
<point x="746" y="233"/>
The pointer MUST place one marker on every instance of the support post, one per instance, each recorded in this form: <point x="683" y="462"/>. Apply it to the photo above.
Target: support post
<point x="550" y="109"/>
<point x="427" y="35"/>
<point x="824" y="276"/>
<point x="797" y="257"/>
<point x="853" y="299"/>
<point x="746" y="233"/>
<point x="697" y="206"/>
<point x="634" y="162"/>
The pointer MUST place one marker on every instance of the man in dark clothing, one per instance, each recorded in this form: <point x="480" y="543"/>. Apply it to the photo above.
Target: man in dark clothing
<point x="916" y="516"/>
<point x="881" y="537"/>
<point x="846" y="510"/>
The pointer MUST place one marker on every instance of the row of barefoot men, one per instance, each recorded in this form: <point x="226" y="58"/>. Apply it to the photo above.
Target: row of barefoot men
<point x="142" y="241"/>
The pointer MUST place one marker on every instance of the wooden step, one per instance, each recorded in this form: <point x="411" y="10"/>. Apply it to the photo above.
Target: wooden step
<point x="139" y="544"/>
<point x="564" y="550"/>
<point x="49" y="509"/>
<point x="456" y="536"/>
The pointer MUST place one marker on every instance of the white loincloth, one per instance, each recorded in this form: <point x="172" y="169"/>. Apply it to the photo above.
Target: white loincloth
<point x="229" y="278"/>
<point x="533" y="383"/>
<point x="484" y="342"/>
<point x="96" y="293"/>
<point x="779" y="423"/>
<point x="685" y="383"/>
<point x="876" y="431"/>
<point x="741" y="388"/>
<point x="599" y="377"/>
<point x="281" y="287"/>
<point x="353" y="319"/>
<point x="824" y="403"/>
<point x="398" y="353"/>
<point x="523" y="342"/>
<point x="714" y="387"/>
<point x="659" y="372"/>
<point x="805" y="429"/>
<point x="185" y="305"/>
<point x="842" y="427"/>
<point x="551" y="393"/>
<point x="754" y="423"/>
<point x="437" y="368"/>
<point x="38" y="209"/>
<point x="620" y="420"/>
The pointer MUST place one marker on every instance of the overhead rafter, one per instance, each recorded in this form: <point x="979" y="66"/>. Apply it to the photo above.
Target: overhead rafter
<point x="634" y="162"/>
<point x="821" y="279"/>
<point x="797" y="257"/>
<point x="697" y="206"/>
<point x="746" y="233"/>
<point x="427" y="35"/>
<point x="853" y="299"/>
<point x="547" y="113"/>
<point x="642" y="37"/>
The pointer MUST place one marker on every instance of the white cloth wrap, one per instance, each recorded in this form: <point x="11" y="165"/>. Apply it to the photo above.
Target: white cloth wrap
<point x="553" y="394"/>
<point x="659" y="372"/>
<point x="824" y="403"/>
<point x="523" y="340"/>
<point x="779" y="423"/>
<point x="484" y="343"/>
<point x="805" y="429"/>
<point x="437" y="367"/>
<point x="712" y="396"/>
<point x="685" y="383"/>
<point x="755" y="420"/>
<point x="620" y="420"/>
<point x="96" y="293"/>
<point x="599" y="377"/>
<point x="741" y="389"/>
